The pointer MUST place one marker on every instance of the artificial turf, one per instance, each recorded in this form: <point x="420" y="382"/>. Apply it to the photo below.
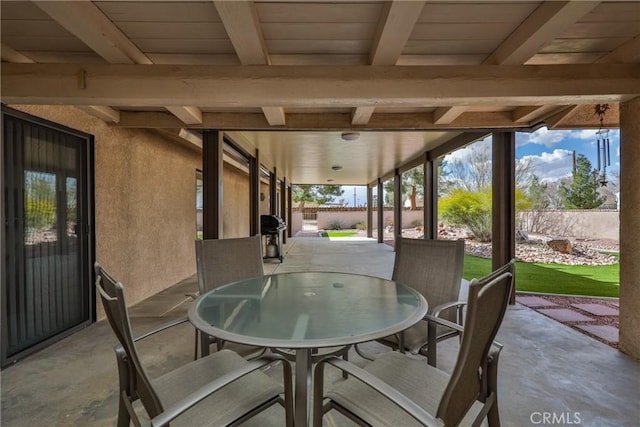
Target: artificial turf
<point x="339" y="233"/>
<point x="587" y="280"/>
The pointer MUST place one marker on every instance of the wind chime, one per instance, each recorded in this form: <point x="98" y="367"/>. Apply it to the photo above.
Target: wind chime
<point x="602" y="139"/>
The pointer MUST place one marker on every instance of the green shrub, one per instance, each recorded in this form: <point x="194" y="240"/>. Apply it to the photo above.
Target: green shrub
<point x="360" y="226"/>
<point x="336" y="225"/>
<point x="473" y="211"/>
<point x="466" y="209"/>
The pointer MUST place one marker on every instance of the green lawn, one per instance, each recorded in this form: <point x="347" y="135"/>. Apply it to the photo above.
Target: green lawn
<point x="339" y="233"/>
<point x="588" y="280"/>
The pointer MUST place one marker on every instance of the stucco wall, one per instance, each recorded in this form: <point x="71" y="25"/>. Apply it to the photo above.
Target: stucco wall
<point x="585" y="224"/>
<point x="348" y="218"/>
<point x="145" y="202"/>
<point x="235" y="199"/>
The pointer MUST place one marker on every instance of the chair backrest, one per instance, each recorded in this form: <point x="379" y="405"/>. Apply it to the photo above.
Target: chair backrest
<point x="112" y="295"/>
<point x="487" y="304"/>
<point x="222" y="261"/>
<point x="431" y="267"/>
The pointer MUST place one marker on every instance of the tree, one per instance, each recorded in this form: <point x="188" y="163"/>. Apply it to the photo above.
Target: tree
<point x="319" y="194"/>
<point x="537" y="194"/>
<point x="40" y="200"/>
<point x="412" y="186"/>
<point x="582" y="193"/>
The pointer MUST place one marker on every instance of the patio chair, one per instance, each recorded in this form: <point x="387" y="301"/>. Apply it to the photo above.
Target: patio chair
<point x="220" y="389"/>
<point x="222" y="261"/>
<point x="433" y="268"/>
<point x="402" y="389"/>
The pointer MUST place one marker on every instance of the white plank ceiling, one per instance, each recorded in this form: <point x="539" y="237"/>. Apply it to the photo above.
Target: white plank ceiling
<point x="289" y="77"/>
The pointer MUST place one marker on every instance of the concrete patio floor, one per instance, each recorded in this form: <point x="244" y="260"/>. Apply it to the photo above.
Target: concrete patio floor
<point x="546" y="369"/>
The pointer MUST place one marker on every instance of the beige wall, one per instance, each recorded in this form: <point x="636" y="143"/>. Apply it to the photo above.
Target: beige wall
<point x="585" y="224"/>
<point x="236" y="211"/>
<point x="348" y="218"/>
<point x="145" y="202"/>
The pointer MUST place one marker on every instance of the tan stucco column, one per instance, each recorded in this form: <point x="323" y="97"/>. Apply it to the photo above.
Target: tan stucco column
<point x="630" y="228"/>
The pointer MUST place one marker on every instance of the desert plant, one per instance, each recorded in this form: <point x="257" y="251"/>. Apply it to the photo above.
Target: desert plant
<point x="336" y="225"/>
<point x="473" y="210"/>
<point x="469" y="209"/>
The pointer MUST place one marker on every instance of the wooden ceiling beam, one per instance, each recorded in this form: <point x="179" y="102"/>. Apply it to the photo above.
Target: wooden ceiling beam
<point x="188" y="115"/>
<point x="556" y="119"/>
<point x="628" y="53"/>
<point x="240" y="20"/>
<point x="102" y="112"/>
<point x="394" y="29"/>
<point x="361" y="115"/>
<point x="545" y="24"/>
<point x="184" y="137"/>
<point x="11" y="55"/>
<point x="445" y="115"/>
<point x="319" y="121"/>
<point x="84" y="20"/>
<point x="274" y="115"/>
<point x="87" y="22"/>
<point x="312" y="87"/>
<point x="532" y="114"/>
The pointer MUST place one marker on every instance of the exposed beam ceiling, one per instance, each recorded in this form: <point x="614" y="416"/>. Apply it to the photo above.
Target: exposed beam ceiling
<point x="84" y="20"/>
<point x="102" y="112"/>
<point x="209" y="86"/>
<point x="546" y="23"/>
<point x="396" y="24"/>
<point x="427" y="71"/>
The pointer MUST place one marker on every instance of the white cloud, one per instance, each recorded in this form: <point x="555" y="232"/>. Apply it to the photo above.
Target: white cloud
<point x="552" y="166"/>
<point x="463" y="154"/>
<point x="542" y="136"/>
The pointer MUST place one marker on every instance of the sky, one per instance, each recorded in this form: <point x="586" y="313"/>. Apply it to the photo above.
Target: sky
<point x="551" y="151"/>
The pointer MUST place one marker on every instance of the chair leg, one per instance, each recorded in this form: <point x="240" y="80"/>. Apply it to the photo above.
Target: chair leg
<point x="361" y="354"/>
<point x="124" y="419"/>
<point x="345" y="357"/>
<point x="493" y="416"/>
<point x="195" y="350"/>
<point x="204" y="344"/>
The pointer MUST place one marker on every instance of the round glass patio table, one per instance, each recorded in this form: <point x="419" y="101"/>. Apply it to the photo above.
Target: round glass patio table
<point x="306" y="311"/>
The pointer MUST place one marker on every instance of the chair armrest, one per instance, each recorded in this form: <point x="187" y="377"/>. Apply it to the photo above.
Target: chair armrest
<point x="390" y="393"/>
<point x="433" y="319"/>
<point x="162" y="328"/>
<point x="432" y="344"/>
<point x="202" y="393"/>
<point x="193" y="295"/>
<point x="446" y="306"/>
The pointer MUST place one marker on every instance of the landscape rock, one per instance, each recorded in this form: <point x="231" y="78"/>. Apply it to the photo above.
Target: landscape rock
<point x="561" y="245"/>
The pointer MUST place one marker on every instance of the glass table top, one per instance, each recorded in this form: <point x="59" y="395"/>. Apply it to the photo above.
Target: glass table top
<point x="307" y="310"/>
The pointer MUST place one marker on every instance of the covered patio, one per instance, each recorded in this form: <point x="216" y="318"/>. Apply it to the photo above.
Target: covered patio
<point x="250" y="97"/>
<point x="545" y="368"/>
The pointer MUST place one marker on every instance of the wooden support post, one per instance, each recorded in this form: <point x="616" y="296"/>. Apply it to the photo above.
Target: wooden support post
<point x="503" y="193"/>
<point x="369" y="211"/>
<point x="380" y="213"/>
<point x="254" y="194"/>
<point x="212" y="164"/>
<point x="430" y="219"/>
<point x="273" y="193"/>
<point x="397" y="205"/>
<point x="283" y="206"/>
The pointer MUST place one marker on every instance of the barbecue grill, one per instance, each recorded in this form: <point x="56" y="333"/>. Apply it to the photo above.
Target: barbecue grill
<point x="272" y="227"/>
